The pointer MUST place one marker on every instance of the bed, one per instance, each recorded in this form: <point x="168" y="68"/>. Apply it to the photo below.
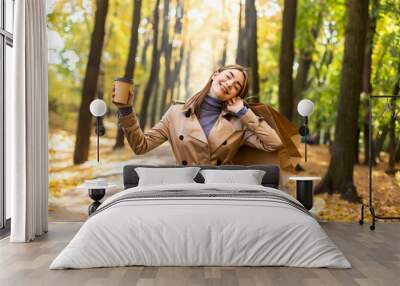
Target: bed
<point x="201" y="224"/>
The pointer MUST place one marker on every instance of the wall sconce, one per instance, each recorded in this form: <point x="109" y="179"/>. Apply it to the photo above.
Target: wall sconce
<point x="305" y="108"/>
<point x="98" y="108"/>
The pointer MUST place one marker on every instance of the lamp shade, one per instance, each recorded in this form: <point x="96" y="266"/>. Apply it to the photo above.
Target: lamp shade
<point x="98" y="107"/>
<point x="305" y="107"/>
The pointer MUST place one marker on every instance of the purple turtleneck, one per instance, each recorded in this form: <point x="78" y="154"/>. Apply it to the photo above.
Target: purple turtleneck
<point x="209" y="112"/>
<point x="210" y="109"/>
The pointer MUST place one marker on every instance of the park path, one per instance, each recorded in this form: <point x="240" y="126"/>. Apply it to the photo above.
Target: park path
<point x="66" y="201"/>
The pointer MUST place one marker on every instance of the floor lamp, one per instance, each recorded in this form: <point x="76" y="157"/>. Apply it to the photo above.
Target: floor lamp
<point x="305" y="108"/>
<point x="98" y="108"/>
<point x="96" y="192"/>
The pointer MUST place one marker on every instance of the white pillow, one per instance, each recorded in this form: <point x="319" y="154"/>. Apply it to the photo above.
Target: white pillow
<point x="249" y="177"/>
<point x="163" y="176"/>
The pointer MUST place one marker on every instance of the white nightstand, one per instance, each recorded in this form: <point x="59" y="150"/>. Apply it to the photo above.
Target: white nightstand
<point x="304" y="189"/>
<point x="96" y="192"/>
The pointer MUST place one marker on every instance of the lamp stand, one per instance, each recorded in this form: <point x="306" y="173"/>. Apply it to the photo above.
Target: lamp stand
<point x="100" y="131"/>
<point x="304" y="132"/>
<point x="305" y="137"/>
<point x="98" y="136"/>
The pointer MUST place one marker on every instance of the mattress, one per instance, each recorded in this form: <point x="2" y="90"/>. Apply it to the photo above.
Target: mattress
<point x="201" y="225"/>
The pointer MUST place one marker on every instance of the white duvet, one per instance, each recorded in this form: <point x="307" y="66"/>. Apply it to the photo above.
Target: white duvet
<point x="183" y="231"/>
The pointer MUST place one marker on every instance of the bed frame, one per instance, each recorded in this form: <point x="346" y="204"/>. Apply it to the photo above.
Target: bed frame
<point x="270" y="179"/>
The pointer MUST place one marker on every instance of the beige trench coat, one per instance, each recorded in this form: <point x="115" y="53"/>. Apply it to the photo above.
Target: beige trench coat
<point x="189" y="143"/>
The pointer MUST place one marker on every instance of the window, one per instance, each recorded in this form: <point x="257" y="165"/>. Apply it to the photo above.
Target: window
<point x="6" y="44"/>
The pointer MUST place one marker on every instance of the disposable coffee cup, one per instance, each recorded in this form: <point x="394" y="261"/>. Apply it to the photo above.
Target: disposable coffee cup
<point x="123" y="86"/>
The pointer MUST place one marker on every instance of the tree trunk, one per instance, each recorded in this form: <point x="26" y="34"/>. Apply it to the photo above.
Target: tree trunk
<point x="167" y="51"/>
<point x="356" y="157"/>
<point x="246" y="53"/>
<point x="82" y="143"/>
<point x="251" y="33"/>
<point x="339" y="177"/>
<point x="318" y="128"/>
<point x="367" y="86"/>
<point x="175" y="79"/>
<point x="300" y="84"/>
<point x="178" y="89"/>
<point x="390" y="170"/>
<point x="326" y="58"/>
<point x="392" y="126"/>
<point x="366" y="136"/>
<point x="286" y="58"/>
<point x="154" y="104"/>
<point x="100" y="95"/>
<point x="398" y="152"/>
<point x="131" y="61"/>
<point x="167" y="77"/>
<point x="136" y="90"/>
<point x="241" y="45"/>
<point x="155" y="64"/>
<point x="143" y="58"/>
<point x="379" y="142"/>
<point x="133" y="44"/>
<point x="187" y="71"/>
<point x="223" y="56"/>
<point x="327" y="137"/>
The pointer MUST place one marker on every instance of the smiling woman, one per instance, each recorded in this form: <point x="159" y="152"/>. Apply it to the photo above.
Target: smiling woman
<point x="209" y="127"/>
<point x="227" y="84"/>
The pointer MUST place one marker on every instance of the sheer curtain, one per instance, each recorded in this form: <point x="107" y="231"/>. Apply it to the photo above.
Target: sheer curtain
<point x="27" y="123"/>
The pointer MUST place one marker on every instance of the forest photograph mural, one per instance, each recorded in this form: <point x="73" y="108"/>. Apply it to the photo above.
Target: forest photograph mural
<point x="334" y="53"/>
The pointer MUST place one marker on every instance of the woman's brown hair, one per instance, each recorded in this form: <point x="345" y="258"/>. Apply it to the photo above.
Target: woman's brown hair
<point x="197" y="99"/>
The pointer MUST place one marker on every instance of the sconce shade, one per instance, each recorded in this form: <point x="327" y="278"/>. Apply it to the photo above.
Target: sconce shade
<point x="98" y="107"/>
<point x="305" y="107"/>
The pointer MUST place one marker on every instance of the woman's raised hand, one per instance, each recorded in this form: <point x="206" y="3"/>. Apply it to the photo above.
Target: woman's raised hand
<point x="234" y="104"/>
<point x="121" y="105"/>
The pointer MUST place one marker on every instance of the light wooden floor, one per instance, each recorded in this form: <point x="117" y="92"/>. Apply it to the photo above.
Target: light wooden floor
<point x="375" y="257"/>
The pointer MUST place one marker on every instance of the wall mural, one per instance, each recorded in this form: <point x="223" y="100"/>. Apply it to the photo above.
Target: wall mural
<point x="160" y="53"/>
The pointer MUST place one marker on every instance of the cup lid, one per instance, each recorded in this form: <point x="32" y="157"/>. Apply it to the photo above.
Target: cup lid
<point x="124" y="79"/>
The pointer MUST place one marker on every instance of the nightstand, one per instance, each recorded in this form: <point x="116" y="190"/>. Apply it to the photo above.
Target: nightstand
<point x="304" y="189"/>
<point x="96" y="193"/>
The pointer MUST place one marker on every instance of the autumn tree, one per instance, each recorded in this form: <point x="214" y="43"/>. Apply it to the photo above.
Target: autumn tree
<point x="367" y="85"/>
<point x="188" y="65"/>
<point x="224" y="29"/>
<point x="310" y="30"/>
<point x="131" y="60"/>
<point x="391" y="170"/>
<point x="166" y="49"/>
<point x="286" y="58"/>
<point x="146" y="44"/>
<point x="251" y="32"/>
<point x="339" y="177"/>
<point x="247" y="51"/>
<point x="177" y="62"/>
<point x="241" y="46"/>
<point x="155" y="65"/>
<point x="82" y="143"/>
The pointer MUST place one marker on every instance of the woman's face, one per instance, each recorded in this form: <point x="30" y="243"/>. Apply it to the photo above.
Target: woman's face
<point x="227" y="84"/>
